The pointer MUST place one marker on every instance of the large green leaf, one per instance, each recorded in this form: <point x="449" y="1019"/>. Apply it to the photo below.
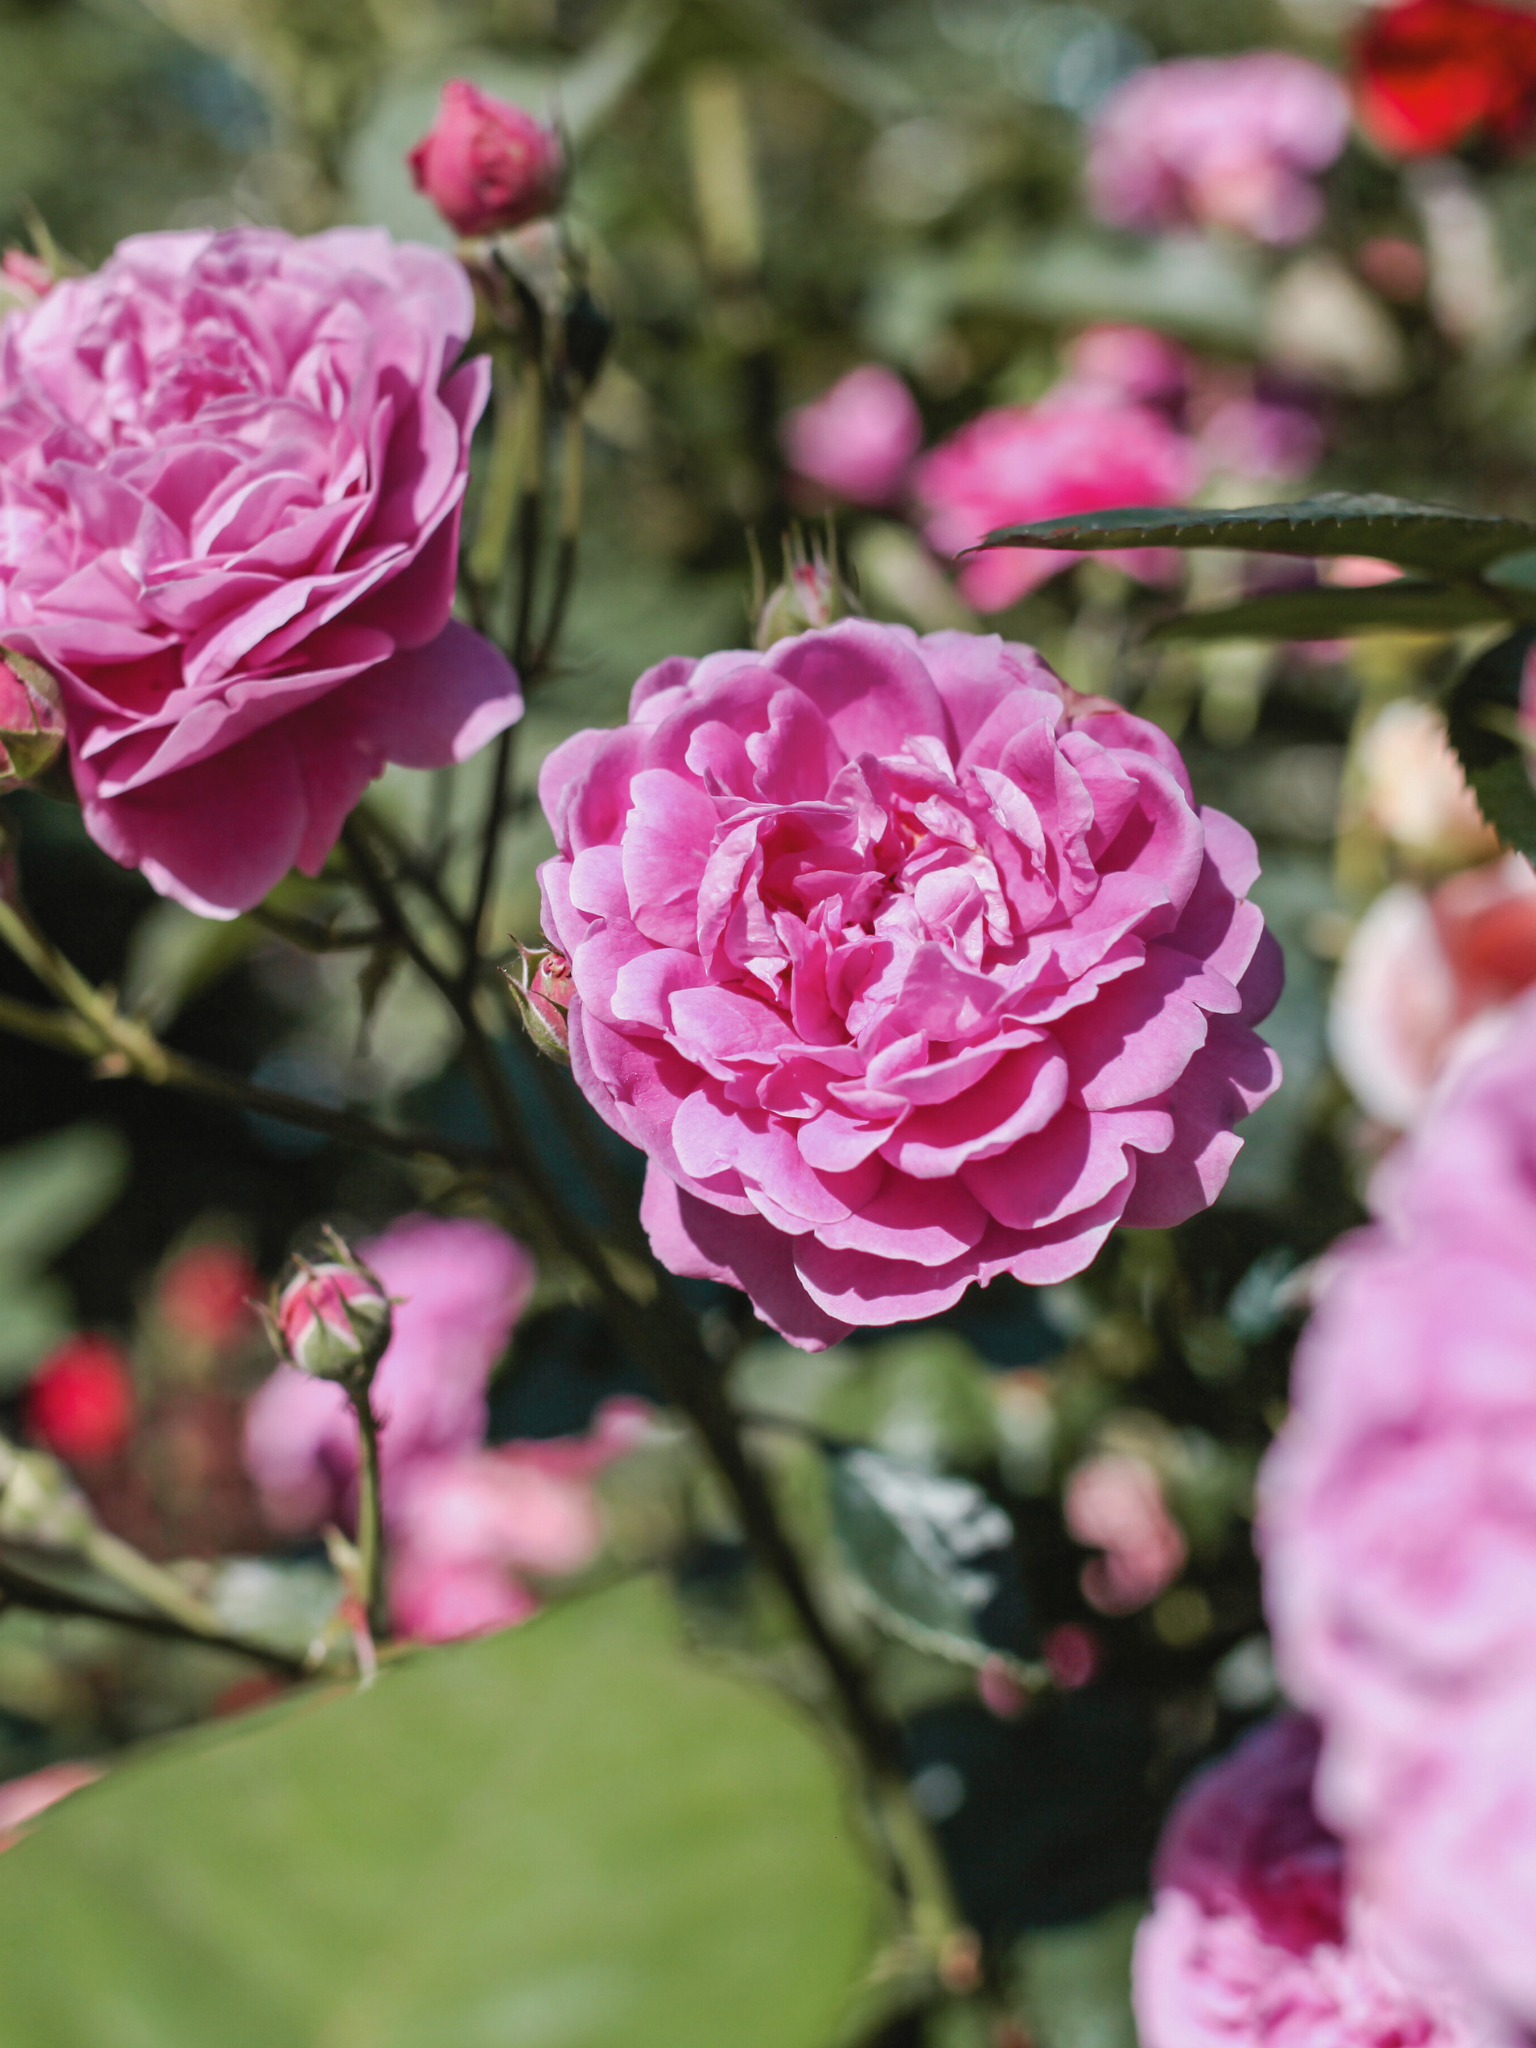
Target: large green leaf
<point x="572" y="1835"/>
<point x="1327" y="613"/>
<point x="1482" y="719"/>
<point x="1434" y="537"/>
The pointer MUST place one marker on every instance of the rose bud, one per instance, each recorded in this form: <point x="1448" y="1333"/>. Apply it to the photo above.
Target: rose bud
<point x="333" y="1320"/>
<point x="31" y="719"/>
<point x="24" y="279"/>
<point x="543" y="992"/>
<point x="487" y="165"/>
<point x="80" y="1402"/>
<point x="811" y="594"/>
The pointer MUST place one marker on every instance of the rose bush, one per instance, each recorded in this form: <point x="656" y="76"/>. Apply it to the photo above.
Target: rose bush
<point x="1398" y="1526"/>
<point x="231" y="472"/>
<point x="904" y="965"/>
<point x="1251" y="1939"/>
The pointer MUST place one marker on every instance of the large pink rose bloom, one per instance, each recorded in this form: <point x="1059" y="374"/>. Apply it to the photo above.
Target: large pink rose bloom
<point x="904" y="965"/>
<point x="1398" y="1518"/>
<point x="459" y="1286"/>
<point x="1070" y="453"/>
<point x="231" y="469"/>
<point x="1233" y="142"/>
<point x="1251" y="1943"/>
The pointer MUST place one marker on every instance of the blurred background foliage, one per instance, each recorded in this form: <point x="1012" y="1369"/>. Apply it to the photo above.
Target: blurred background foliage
<point x="769" y="193"/>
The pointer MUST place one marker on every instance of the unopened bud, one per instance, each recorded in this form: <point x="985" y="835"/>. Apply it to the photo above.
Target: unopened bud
<point x="39" y="1503"/>
<point x="487" y="165"/>
<point x="333" y="1319"/>
<point x="24" y="279"/>
<point x="811" y="594"/>
<point x="31" y="719"/>
<point x="543" y="987"/>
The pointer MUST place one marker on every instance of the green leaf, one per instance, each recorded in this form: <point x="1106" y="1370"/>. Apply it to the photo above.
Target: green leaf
<point x="917" y="1545"/>
<point x="570" y="1835"/>
<point x="1434" y="537"/>
<point x="1482" y="716"/>
<point x="1328" y="613"/>
<point x="53" y="1188"/>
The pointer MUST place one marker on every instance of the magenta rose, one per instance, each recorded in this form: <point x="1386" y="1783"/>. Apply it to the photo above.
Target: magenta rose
<point x="231" y="471"/>
<point x="1073" y="452"/>
<point x="1233" y="142"/>
<point x="458" y="1287"/>
<point x="1398" y="1523"/>
<point x="1253" y="1941"/>
<point x="904" y="965"/>
<point x="486" y="165"/>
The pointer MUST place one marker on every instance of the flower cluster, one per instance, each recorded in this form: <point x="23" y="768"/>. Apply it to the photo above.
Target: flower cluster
<point x="231" y="471"/>
<point x="1399" y="1534"/>
<point x="904" y="965"/>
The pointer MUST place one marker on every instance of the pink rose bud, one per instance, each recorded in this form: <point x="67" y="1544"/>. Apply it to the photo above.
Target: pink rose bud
<point x="333" y="1321"/>
<point x="31" y="719"/>
<point x="24" y="279"/>
<point x="543" y="990"/>
<point x="811" y="595"/>
<point x="487" y="165"/>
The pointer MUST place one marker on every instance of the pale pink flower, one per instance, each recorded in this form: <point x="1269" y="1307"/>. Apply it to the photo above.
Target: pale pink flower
<point x="1398" y="1525"/>
<point x="467" y="1530"/>
<point x="1233" y="142"/>
<point x="858" y="439"/>
<point x="459" y="1286"/>
<point x="1118" y="363"/>
<point x="1426" y="981"/>
<point x="24" y="279"/>
<point x="1114" y="1503"/>
<point x="1411" y="787"/>
<point x="23" y="1799"/>
<point x="1251" y="1942"/>
<point x="231" y="472"/>
<point x="905" y="965"/>
<point x="1038" y="462"/>
<point x="486" y="165"/>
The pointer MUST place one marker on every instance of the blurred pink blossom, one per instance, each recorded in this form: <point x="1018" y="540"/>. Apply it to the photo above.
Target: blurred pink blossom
<point x="857" y="440"/>
<point x="1398" y="1525"/>
<point x="1038" y="462"/>
<point x="1114" y="1503"/>
<point x="1262" y="437"/>
<point x="1118" y="363"/>
<point x="1251" y="1942"/>
<point x="460" y="1286"/>
<point x="1410" y="784"/>
<point x="466" y="1528"/>
<point x="23" y="1799"/>
<point x="1232" y="142"/>
<point x="1426" y="982"/>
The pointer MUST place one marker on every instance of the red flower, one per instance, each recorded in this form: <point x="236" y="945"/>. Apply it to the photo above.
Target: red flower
<point x="1431" y="73"/>
<point x="80" y="1402"/>
<point x="205" y="1293"/>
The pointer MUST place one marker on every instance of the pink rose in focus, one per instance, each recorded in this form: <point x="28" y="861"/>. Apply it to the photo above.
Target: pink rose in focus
<point x="23" y="1799"/>
<point x="1040" y="462"/>
<point x="466" y="1528"/>
<point x="1114" y="1503"/>
<point x="459" y="1287"/>
<point x="904" y="965"/>
<point x="1232" y="142"/>
<point x="1250" y="1942"/>
<point x="1426" y="982"/>
<point x="487" y="165"/>
<point x="858" y="440"/>
<point x="1398" y="1526"/>
<point x="231" y="471"/>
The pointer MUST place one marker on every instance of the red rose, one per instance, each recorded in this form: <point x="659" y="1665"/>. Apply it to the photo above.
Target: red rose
<point x="1431" y="73"/>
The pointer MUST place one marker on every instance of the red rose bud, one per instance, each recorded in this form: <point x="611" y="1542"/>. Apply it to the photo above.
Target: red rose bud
<point x="31" y="719"/>
<point x="333" y="1320"/>
<point x="543" y="990"/>
<point x="487" y="165"/>
<point x="80" y="1402"/>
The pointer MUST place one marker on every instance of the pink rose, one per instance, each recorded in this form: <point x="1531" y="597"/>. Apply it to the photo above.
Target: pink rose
<point x="858" y="440"/>
<point x="487" y="165"/>
<point x="1114" y="1503"/>
<point x="1116" y="364"/>
<point x="468" y="1529"/>
<point x="1218" y="141"/>
<point x="1251" y="1943"/>
<point x="904" y="965"/>
<point x="1398" y="1524"/>
<point x="231" y="470"/>
<point x="24" y="279"/>
<point x="459" y="1286"/>
<point x="1426" y="982"/>
<point x="1036" y="462"/>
